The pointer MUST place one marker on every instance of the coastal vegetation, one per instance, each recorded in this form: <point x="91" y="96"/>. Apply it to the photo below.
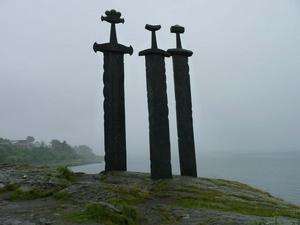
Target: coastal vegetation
<point x="56" y="153"/>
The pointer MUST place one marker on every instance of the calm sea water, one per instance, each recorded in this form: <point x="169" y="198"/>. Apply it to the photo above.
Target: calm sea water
<point x="276" y="173"/>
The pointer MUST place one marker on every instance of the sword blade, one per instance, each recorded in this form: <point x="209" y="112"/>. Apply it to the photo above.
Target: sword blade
<point x="184" y="116"/>
<point x="114" y="111"/>
<point x="160" y="154"/>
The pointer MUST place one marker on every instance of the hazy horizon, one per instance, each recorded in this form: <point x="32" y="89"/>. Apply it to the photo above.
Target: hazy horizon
<point x="245" y="71"/>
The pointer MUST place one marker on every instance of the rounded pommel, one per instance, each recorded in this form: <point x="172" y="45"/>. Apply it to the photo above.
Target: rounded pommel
<point x="152" y="27"/>
<point x="112" y="16"/>
<point x="177" y="29"/>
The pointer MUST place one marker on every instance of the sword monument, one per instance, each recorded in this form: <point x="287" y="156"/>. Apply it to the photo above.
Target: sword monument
<point x="184" y="116"/>
<point x="114" y="106"/>
<point x="160" y="154"/>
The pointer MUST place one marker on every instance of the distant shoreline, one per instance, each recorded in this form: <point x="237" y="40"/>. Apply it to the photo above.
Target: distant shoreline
<point x="58" y="164"/>
<point x="84" y="163"/>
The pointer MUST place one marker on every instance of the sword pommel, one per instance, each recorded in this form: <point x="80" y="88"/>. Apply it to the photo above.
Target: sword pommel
<point x="177" y="29"/>
<point x="112" y="16"/>
<point x="152" y="27"/>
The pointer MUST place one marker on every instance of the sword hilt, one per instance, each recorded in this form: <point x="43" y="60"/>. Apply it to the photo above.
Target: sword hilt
<point x="177" y="30"/>
<point x="153" y="29"/>
<point x="113" y="17"/>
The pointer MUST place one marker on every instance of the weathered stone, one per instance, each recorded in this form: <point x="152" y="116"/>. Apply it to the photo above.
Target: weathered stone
<point x="154" y="201"/>
<point x="16" y="222"/>
<point x="44" y="221"/>
<point x="2" y="186"/>
<point x="25" y="188"/>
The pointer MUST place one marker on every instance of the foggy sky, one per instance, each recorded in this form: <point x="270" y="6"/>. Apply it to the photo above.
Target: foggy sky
<point x="245" y="71"/>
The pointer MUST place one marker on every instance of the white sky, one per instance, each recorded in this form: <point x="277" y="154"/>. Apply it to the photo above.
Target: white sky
<point x="245" y="71"/>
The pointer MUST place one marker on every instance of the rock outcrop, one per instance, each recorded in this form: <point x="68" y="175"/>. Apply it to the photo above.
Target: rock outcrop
<point x="45" y="196"/>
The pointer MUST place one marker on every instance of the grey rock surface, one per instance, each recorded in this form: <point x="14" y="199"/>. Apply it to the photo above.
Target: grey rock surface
<point x="155" y="202"/>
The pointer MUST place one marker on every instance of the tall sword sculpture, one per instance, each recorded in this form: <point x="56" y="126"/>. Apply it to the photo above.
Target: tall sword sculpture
<point x="114" y="106"/>
<point x="160" y="154"/>
<point x="185" y="131"/>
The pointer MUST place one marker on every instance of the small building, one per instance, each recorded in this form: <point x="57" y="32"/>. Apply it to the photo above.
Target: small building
<point x="28" y="142"/>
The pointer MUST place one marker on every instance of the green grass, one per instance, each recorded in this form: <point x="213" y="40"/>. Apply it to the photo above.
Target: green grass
<point x="61" y="195"/>
<point x="126" y="198"/>
<point x="263" y="222"/>
<point x="192" y="197"/>
<point x="130" y="194"/>
<point x="168" y="218"/>
<point x="66" y="173"/>
<point x="238" y="185"/>
<point x="161" y="189"/>
<point x="228" y="196"/>
<point x="28" y="195"/>
<point x="9" y="187"/>
<point x="103" y="176"/>
<point x="98" y="213"/>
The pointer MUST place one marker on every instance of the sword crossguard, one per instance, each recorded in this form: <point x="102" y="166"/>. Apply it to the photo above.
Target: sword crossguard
<point x="112" y="16"/>
<point x="153" y="29"/>
<point x="177" y="30"/>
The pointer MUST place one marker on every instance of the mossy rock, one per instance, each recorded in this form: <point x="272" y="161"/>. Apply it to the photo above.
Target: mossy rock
<point x="105" y="213"/>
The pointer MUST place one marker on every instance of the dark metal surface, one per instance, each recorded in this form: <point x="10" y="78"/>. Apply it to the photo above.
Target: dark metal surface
<point x="114" y="106"/>
<point x="186" y="145"/>
<point x="160" y="154"/>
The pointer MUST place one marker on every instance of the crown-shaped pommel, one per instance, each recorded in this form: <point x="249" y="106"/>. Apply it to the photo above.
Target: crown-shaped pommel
<point x="112" y="16"/>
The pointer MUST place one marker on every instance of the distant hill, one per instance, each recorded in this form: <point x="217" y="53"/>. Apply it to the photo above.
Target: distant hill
<point x="56" y="153"/>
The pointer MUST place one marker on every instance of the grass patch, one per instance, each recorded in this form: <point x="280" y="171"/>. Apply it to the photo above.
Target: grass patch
<point x="160" y="188"/>
<point x="238" y="185"/>
<point x="61" y="195"/>
<point x="240" y="199"/>
<point x="9" y="187"/>
<point x="130" y="194"/>
<point x="193" y="197"/>
<point x="99" y="213"/>
<point x="28" y="195"/>
<point x="63" y="183"/>
<point x="66" y="173"/>
<point x="103" y="176"/>
<point x="263" y="222"/>
<point x="168" y="218"/>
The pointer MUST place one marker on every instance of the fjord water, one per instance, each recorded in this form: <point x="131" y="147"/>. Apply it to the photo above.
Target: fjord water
<point x="277" y="173"/>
